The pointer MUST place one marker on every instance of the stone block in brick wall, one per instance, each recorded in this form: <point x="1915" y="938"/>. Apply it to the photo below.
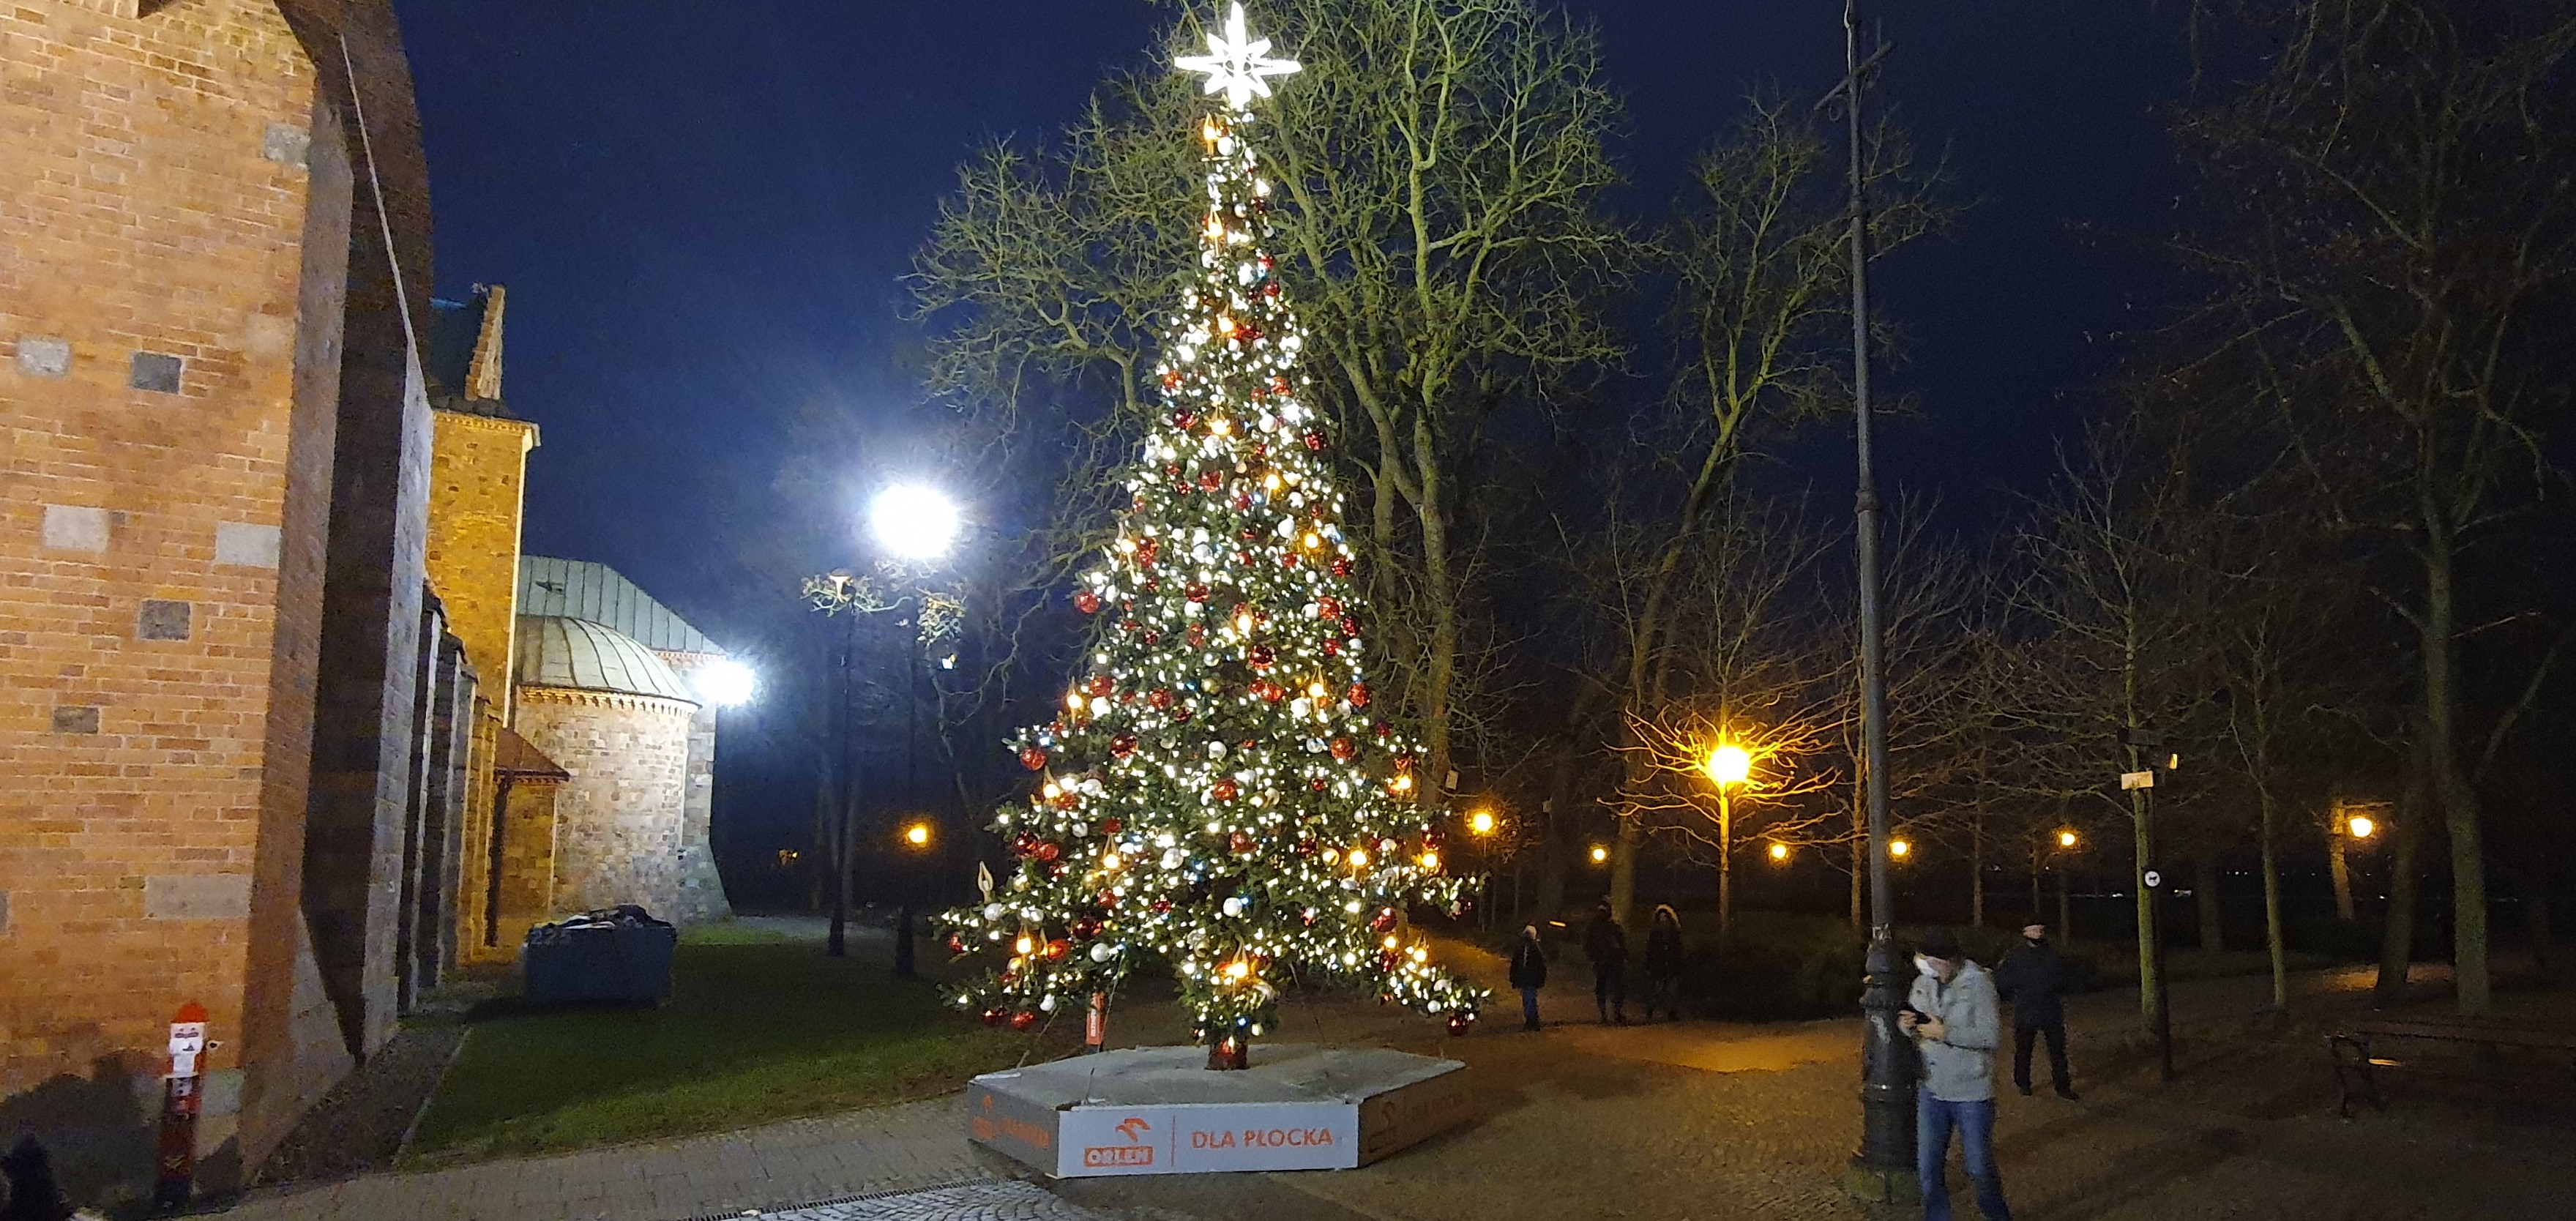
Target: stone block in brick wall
<point x="163" y="619"/>
<point x="246" y="545"/>
<point x="44" y="356"/>
<point x="76" y="528"/>
<point x="196" y="896"/>
<point x="159" y="372"/>
<point x="76" y="718"/>
<point x="286" y="144"/>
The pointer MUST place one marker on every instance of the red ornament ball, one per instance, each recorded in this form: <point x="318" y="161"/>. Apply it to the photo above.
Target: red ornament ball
<point x="1317" y="784"/>
<point x="1087" y="602"/>
<point x="1344" y="749"/>
<point x="1359" y="695"/>
<point x="1315" y="440"/>
<point x="1033" y="758"/>
<point x="1023" y="1020"/>
<point x="1100" y="684"/>
<point x="1086" y="928"/>
<point x="1342" y="566"/>
<point x="1197" y="634"/>
<point x="956" y="944"/>
<point x="1122" y="746"/>
<point x="1331" y="647"/>
<point x="1262" y="657"/>
<point x="1225" y="790"/>
<point x="1211" y="480"/>
<point x="1160" y="698"/>
<point x="1049" y="851"/>
<point x="1328" y="608"/>
<point x="1383" y="921"/>
<point x="1239" y="842"/>
<point x="1184" y="419"/>
<point x="1023" y="844"/>
<point x="1111" y="826"/>
<point x="1382" y="730"/>
<point x="1196" y="591"/>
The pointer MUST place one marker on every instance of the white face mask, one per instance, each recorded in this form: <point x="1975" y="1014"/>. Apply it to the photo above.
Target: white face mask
<point x="1929" y="968"/>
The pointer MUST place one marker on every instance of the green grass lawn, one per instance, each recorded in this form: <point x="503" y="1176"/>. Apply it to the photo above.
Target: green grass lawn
<point x="756" y="1030"/>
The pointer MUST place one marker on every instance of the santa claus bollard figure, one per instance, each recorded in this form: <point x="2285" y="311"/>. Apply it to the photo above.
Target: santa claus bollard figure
<point x="179" y="1093"/>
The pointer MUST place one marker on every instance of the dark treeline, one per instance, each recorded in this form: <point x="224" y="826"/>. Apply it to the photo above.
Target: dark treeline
<point x="2313" y="537"/>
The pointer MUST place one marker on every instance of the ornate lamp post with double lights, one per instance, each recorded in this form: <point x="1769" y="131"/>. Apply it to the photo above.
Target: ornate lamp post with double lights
<point x="913" y="525"/>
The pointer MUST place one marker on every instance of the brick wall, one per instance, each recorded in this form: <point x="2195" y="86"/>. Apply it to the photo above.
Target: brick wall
<point x="152" y="204"/>
<point x="702" y="896"/>
<point x="477" y="487"/>
<point x="176" y="327"/>
<point x="619" y="822"/>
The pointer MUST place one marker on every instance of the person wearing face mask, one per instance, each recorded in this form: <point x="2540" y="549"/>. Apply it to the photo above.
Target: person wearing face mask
<point x="2032" y="976"/>
<point x="1953" y="1018"/>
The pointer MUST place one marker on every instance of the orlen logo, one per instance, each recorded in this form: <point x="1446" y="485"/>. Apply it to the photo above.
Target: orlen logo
<point x="1133" y="1153"/>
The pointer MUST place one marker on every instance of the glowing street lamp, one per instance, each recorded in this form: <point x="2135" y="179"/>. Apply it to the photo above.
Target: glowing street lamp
<point x="1600" y="854"/>
<point x="914" y="521"/>
<point x="1729" y="764"/>
<point x="2067" y="838"/>
<point x="725" y="683"/>
<point x="1480" y="822"/>
<point x="1899" y="848"/>
<point x="917" y="835"/>
<point x="1779" y="853"/>
<point x="2361" y="826"/>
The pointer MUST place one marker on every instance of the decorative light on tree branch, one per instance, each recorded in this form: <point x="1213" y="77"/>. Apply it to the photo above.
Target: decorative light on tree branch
<point x="1216" y="790"/>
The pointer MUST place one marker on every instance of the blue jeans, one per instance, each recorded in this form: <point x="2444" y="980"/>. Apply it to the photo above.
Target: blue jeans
<point x="1529" y="1008"/>
<point x="1933" y="1119"/>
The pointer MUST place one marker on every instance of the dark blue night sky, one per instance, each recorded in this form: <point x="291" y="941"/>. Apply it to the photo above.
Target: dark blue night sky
<point x="702" y="210"/>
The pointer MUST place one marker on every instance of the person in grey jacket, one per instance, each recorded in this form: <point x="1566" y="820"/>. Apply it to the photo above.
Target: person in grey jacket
<point x="1954" y="1018"/>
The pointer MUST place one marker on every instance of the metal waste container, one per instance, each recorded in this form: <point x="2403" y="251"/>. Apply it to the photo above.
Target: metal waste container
<point x="616" y="954"/>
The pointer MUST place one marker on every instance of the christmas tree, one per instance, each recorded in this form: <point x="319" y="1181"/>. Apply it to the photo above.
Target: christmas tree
<point x="1219" y="790"/>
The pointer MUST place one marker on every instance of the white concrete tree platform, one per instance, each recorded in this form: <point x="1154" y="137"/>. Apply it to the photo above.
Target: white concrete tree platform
<point x="1158" y="1110"/>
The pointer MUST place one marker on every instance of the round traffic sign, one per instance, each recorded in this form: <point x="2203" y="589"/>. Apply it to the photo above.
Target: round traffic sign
<point x="2154" y="879"/>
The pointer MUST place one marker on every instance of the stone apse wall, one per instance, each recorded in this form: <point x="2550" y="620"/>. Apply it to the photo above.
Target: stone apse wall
<point x="621" y="828"/>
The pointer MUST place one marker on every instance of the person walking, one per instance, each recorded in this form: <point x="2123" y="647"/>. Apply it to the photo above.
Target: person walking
<point x="1954" y="1019"/>
<point x="1664" y="964"/>
<point x="1606" y="944"/>
<point x="2033" y="978"/>
<point x="1529" y="973"/>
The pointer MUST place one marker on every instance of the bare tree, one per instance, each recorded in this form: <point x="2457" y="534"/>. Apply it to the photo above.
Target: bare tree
<point x="2397" y="221"/>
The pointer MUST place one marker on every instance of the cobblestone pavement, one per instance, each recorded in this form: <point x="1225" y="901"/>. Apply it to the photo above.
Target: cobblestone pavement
<point x="999" y="1200"/>
<point x="1693" y="1120"/>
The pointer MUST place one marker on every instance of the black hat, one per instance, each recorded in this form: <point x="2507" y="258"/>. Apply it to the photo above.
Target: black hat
<point x="1937" y="942"/>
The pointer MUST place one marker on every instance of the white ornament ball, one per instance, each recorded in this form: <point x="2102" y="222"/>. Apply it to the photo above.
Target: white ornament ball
<point x="1100" y="952"/>
<point x="993" y="911"/>
<point x="1234" y="907"/>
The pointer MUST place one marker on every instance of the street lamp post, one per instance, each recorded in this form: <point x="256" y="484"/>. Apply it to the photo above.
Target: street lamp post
<point x="914" y="525"/>
<point x="1727" y="766"/>
<point x="1883" y="1168"/>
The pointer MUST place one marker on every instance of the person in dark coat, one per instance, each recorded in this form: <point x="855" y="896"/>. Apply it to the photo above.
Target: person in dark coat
<point x="1664" y="963"/>
<point x="1606" y="944"/>
<point x="1529" y="973"/>
<point x="2033" y="978"/>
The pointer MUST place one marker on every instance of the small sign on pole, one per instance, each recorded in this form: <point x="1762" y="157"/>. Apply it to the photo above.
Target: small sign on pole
<point x="2137" y="780"/>
<point x="179" y="1099"/>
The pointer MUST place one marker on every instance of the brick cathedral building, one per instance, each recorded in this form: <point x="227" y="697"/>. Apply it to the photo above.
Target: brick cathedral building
<point x="287" y="727"/>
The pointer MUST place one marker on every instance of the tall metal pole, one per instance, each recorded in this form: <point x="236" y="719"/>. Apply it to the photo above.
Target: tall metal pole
<point x="1884" y="1166"/>
<point x="843" y="850"/>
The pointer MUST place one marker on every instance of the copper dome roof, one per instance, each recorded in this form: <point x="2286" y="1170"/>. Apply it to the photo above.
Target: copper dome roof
<point x="557" y="651"/>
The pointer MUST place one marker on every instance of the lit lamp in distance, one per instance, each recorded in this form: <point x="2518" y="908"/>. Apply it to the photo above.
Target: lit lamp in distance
<point x="917" y="835"/>
<point x="1729" y="764"/>
<point x="1600" y="854"/>
<point x="725" y="683"/>
<point x="1900" y="848"/>
<point x="914" y="521"/>
<point x="2361" y="827"/>
<point x="1779" y="853"/>
<point x="1480" y="822"/>
<point x="2067" y="838"/>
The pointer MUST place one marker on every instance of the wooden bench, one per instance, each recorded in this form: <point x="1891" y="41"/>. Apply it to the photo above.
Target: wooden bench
<point x="2357" y="1050"/>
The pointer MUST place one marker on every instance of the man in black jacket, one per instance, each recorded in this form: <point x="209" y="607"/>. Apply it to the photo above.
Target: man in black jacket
<point x="1606" y="944"/>
<point x="1529" y="973"/>
<point x="2032" y="977"/>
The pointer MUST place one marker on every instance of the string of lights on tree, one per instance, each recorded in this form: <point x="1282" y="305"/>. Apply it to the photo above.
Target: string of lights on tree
<point x="1220" y="789"/>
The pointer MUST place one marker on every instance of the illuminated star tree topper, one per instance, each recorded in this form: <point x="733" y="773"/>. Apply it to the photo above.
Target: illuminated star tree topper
<point x="1236" y="62"/>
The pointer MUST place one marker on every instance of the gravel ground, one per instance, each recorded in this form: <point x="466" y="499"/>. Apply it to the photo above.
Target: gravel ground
<point x="359" y="1126"/>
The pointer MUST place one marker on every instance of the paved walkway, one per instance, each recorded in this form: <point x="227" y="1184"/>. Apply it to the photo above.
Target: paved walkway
<point x="899" y="1148"/>
<point x="1001" y="1200"/>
